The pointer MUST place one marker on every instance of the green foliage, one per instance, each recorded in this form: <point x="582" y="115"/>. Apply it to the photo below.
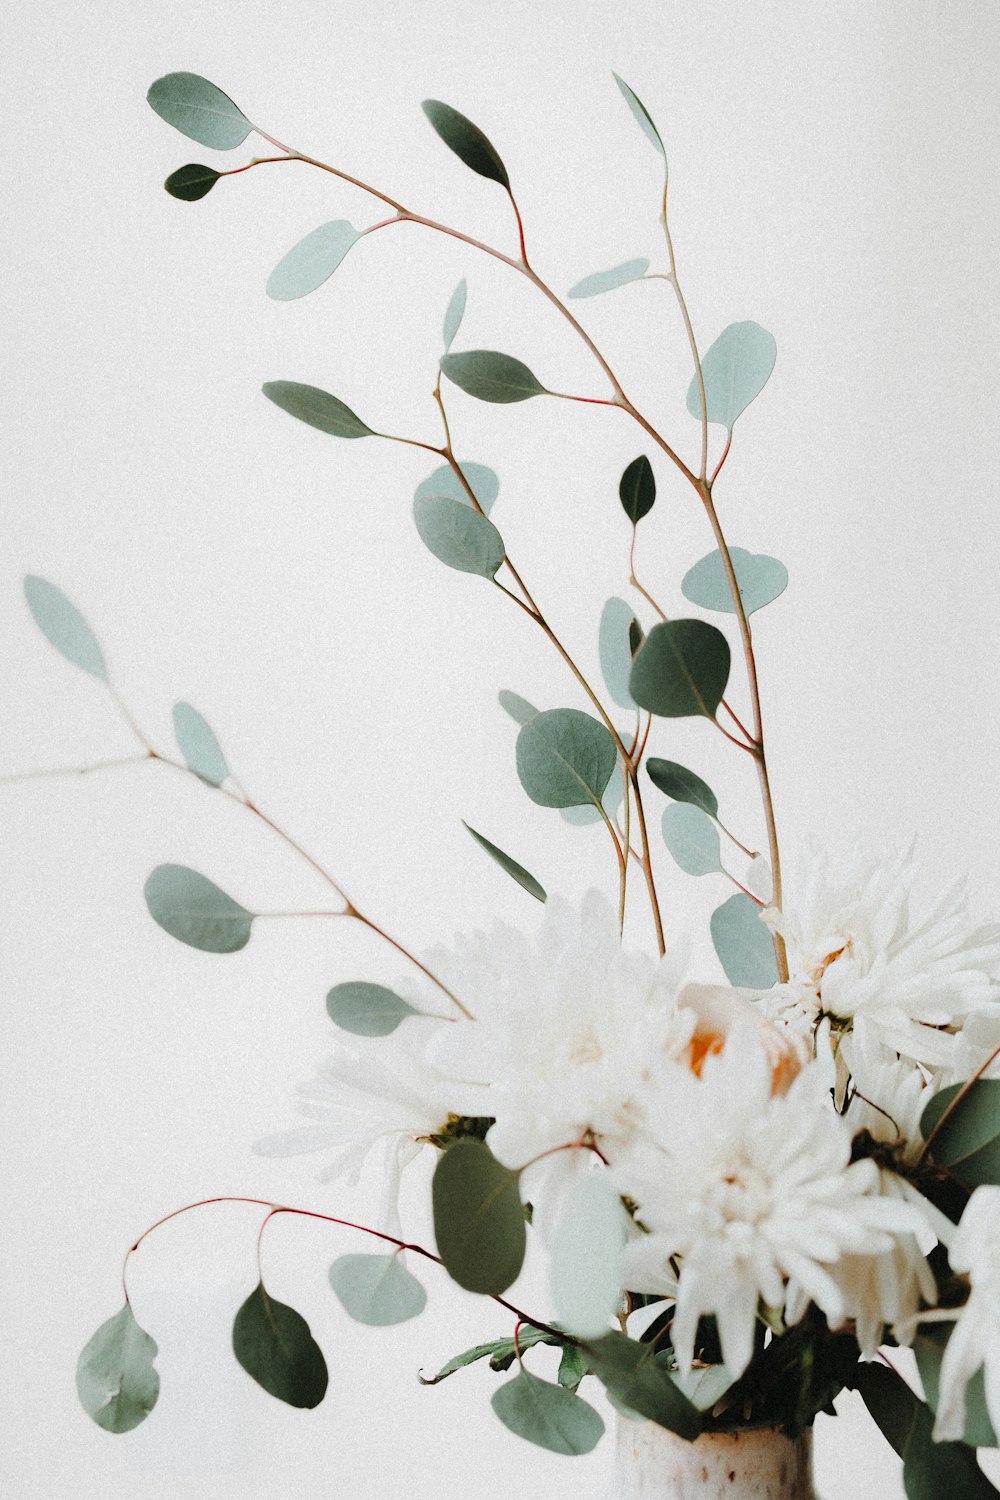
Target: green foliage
<point x="64" y="627"/>
<point x="615" y="650"/>
<point x="642" y="117"/>
<point x="445" y="484"/>
<point x="929" y="1347"/>
<point x="636" y="1381"/>
<point x="367" y="1009"/>
<point x="377" y="1289"/>
<point x="610" y="281"/>
<point x="704" y="1387"/>
<point x="467" y="141"/>
<point x="587" y="815"/>
<point x="682" y="785"/>
<point x="195" y="911"/>
<point x="491" y="376"/>
<point x="586" y="1264"/>
<point x="692" y="839"/>
<point x="312" y="261"/>
<point x="115" y="1377"/>
<point x="191" y="182"/>
<point x="454" y="313"/>
<point x="573" y="1366"/>
<point x="458" y="536"/>
<point x="520" y="710"/>
<point x="968" y="1142"/>
<point x="273" y="1344"/>
<point x="316" y="408"/>
<point x="637" y="489"/>
<point x="478" y="1218"/>
<point x="736" y="369"/>
<point x="681" y="669"/>
<point x="514" y="870"/>
<point x="565" y="758"/>
<point x="197" y="743"/>
<point x="760" y="579"/>
<point x="548" y="1415"/>
<point x="744" y="945"/>
<point x="930" y="1470"/>
<point x="501" y="1353"/>
<point x="199" y="110"/>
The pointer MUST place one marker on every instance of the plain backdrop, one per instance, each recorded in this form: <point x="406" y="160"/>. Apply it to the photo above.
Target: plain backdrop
<point x="833" y="176"/>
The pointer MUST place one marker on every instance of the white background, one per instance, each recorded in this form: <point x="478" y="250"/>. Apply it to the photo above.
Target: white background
<point x="833" y="177"/>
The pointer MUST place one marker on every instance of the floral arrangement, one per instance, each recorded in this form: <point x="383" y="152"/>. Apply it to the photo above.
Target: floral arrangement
<point x="745" y="1191"/>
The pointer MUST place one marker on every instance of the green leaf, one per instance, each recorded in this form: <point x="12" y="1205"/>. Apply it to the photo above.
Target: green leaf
<point x="316" y="408"/>
<point x="478" y="1218"/>
<point x="743" y="944"/>
<point x="199" y="110"/>
<point x="520" y="710"/>
<point x="565" y="758"/>
<point x="682" y="785"/>
<point x="201" y="750"/>
<point x="681" y="669"/>
<point x="191" y="182"/>
<point x="642" y="116"/>
<point x="64" y="627"/>
<point x="458" y="536"/>
<point x="636" y="1381"/>
<point x="929" y="1347"/>
<point x="760" y="578"/>
<point x="491" y="376"/>
<point x="377" y="1289"/>
<point x="467" y="141"/>
<point x="501" y="1354"/>
<point x="637" y="489"/>
<point x="115" y="1377"/>
<point x="968" y="1142"/>
<point x="610" y="281"/>
<point x="587" y="815"/>
<point x="312" y="261"/>
<point x="444" y="484"/>
<point x="587" y="1258"/>
<point x="454" y="313"/>
<point x="194" y="910"/>
<point x="548" y="1415"/>
<point x="516" y="871"/>
<point x="367" y="1009"/>
<point x="615" y="650"/>
<point x="692" y="839"/>
<point x="573" y="1366"/>
<point x="273" y="1344"/>
<point x="735" y="369"/>
<point x="930" y="1470"/>
<point x="704" y="1387"/>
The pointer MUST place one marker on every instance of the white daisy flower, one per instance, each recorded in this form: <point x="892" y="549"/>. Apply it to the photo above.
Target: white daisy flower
<point x="975" y="1339"/>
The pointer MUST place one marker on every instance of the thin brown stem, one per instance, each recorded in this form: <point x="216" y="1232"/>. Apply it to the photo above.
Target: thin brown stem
<point x="689" y="330"/>
<point x="647" y="861"/>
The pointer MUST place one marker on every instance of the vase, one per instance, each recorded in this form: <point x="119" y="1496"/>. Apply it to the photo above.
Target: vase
<point x="757" y="1463"/>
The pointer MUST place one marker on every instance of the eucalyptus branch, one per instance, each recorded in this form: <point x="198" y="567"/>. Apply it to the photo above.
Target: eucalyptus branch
<point x="689" y="330"/>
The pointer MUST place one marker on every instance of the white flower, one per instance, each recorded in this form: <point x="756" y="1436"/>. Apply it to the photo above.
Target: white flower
<point x="975" y="1339"/>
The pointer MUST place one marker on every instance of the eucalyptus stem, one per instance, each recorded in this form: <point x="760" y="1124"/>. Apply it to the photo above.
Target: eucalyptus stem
<point x="689" y="330"/>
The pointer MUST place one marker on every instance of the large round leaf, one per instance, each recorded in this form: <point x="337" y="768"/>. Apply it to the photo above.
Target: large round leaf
<point x="637" y="489"/>
<point x="676" y="781"/>
<point x="367" y="1009"/>
<point x="692" y="839"/>
<point x="458" y="536"/>
<point x="115" y="1377"/>
<point x="195" y="911"/>
<point x="968" y="1143"/>
<point x="273" y="1344"/>
<point x="615" y="650"/>
<point x="467" y="141"/>
<point x="611" y="280"/>
<point x="735" y="370"/>
<point x="681" y="669"/>
<point x="760" y="578"/>
<point x="565" y="758"/>
<point x="445" y="484"/>
<point x="316" y="408"/>
<point x="587" y="1258"/>
<point x="517" y="872"/>
<point x="64" y="627"/>
<point x="491" y="376"/>
<point x="197" y="743"/>
<point x="743" y="944"/>
<point x="478" y="1218"/>
<point x="312" y="261"/>
<point x="377" y="1289"/>
<point x="199" y="110"/>
<point x="547" y="1415"/>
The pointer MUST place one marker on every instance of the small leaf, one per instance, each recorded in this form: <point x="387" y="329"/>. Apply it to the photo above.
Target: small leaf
<point x="929" y="1347"/>
<point x="312" y="261"/>
<point x="316" y="408"/>
<point x="635" y="1381"/>
<point x="548" y="1415"/>
<point x="195" y="911"/>
<point x="201" y="750"/>
<point x="491" y="376"/>
<point x="520" y="710"/>
<point x="454" y="313"/>
<point x="64" y="627"/>
<point x="735" y="369"/>
<point x="637" y="489"/>
<point x="191" y="182"/>
<point x="377" y="1289"/>
<point x="761" y="580"/>
<point x="199" y="110"/>
<point x="459" y="536"/>
<point x="273" y="1344"/>
<point x="367" y="1009"/>
<point x="587" y="1258"/>
<point x="704" y="1387"/>
<point x="692" y="839"/>
<point x="467" y="141"/>
<point x="610" y="281"/>
<point x="682" y="785"/>
<point x="516" y="871"/>
<point x="968" y="1142"/>
<point x="444" y="484"/>
<point x="565" y="758"/>
<point x="573" y="1366"/>
<point x="615" y="650"/>
<point x="744" y="945"/>
<point x="643" y="118"/>
<point x="501" y="1354"/>
<point x="681" y="669"/>
<point x="115" y="1377"/>
<point x="478" y="1218"/>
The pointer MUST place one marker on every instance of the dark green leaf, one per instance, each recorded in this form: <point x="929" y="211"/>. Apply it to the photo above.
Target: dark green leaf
<point x="573" y="1366"/>
<point x="548" y="1415"/>
<point x="692" y="838"/>
<point x="760" y="578"/>
<point x="454" y="313"/>
<point x="682" y="785"/>
<point x="516" y="871"/>
<point x="458" y="536"/>
<point x="491" y="376"/>
<point x="64" y="627"/>
<point x="201" y="750"/>
<point x="273" y="1344"/>
<point x="312" y="261"/>
<point x="968" y="1142"/>
<point x="642" y="116"/>
<point x="501" y="1354"/>
<point x="610" y="281"/>
<point x="478" y="1218"/>
<point x="930" y="1470"/>
<point x="194" y="910"/>
<point x="520" y="710"/>
<point x="115" y="1377"/>
<point x="736" y="370"/>
<point x="744" y="945"/>
<point x="445" y="484"/>
<point x="681" y="669"/>
<point x="316" y="408"/>
<point x="637" y="489"/>
<point x="199" y="110"/>
<point x="191" y="182"/>
<point x="635" y="1380"/>
<point x="377" y="1289"/>
<point x="565" y="758"/>
<point x="615" y="650"/>
<point x="366" y="1009"/>
<point x="929" y="1347"/>
<point x="467" y="141"/>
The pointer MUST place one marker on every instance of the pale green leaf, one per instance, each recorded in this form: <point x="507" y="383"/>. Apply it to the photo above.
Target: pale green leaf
<point x="377" y="1289"/>
<point x="692" y="838"/>
<point x="611" y="280"/>
<point x="565" y="758"/>
<point x="743" y="944"/>
<point x="467" y="141"/>
<point x="367" y="1009"/>
<point x="615" y="651"/>
<point x="197" y="743"/>
<point x="312" y="261"/>
<point x="458" y="536"/>
<point x="587" y="1257"/>
<point x="195" y="911"/>
<point x="760" y="578"/>
<point x="478" y="1218"/>
<point x="548" y="1415"/>
<point x="64" y="627"/>
<point x="735" y="369"/>
<point x="316" y="408"/>
<point x="445" y="484"/>
<point x="273" y="1344"/>
<point x="454" y="313"/>
<point x="681" y="669"/>
<point x="491" y="376"/>
<point x="514" y="870"/>
<point x="115" y="1376"/>
<point x="520" y="710"/>
<point x="199" y="110"/>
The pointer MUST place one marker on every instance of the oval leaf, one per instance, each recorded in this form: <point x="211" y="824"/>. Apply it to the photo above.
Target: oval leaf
<point x="637" y="489"/>
<point x="642" y="116"/>
<point x="681" y="669"/>
<point x="377" y="1289"/>
<point x="548" y="1415"/>
<point x="682" y="785"/>
<point x="692" y="839"/>
<point x="736" y="370"/>
<point x="64" y="627"/>
<point x="478" y="1218"/>
<point x="467" y="141"/>
<point x="491" y="376"/>
<point x="194" y="910"/>
<point x="444" y="484"/>
<point x="761" y="580"/>
<point x="610" y="281"/>
<point x="191" y="182"/>
<point x="273" y="1344"/>
<point x="968" y="1142"/>
<point x="316" y="408"/>
<point x="458" y="535"/>
<point x="514" y="870"/>
<point x="565" y="758"/>
<point x="634" y="1380"/>
<point x="520" y="710"/>
<point x="367" y="1009"/>
<point x="615" y="650"/>
<point x="199" y="110"/>
<point x="743" y="944"/>
<point x="587" y="1258"/>
<point x="454" y="313"/>
<point x="312" y="261"/>
<point x="115" y="1378"/>
<point x="201" y="750"/>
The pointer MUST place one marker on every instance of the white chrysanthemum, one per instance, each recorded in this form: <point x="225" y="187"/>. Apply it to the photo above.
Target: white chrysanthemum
<point x="975" y="1339"/>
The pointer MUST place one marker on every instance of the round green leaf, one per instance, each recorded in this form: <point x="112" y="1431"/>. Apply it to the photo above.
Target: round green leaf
<point x="367" y="1009"/>
<point x="760" y="578"/>
<point x="458" y="535"/>
<point x="610" y="281"/>
<point x="520" y="710"/>
<point x="454" y="313"/>
<point x="514" y="870"/>
<point x="565" y="758"/>
<point x="587" y="815"/>
<point x="635" y="1381"/>
<point x="194" y="910"/>
<point x="491" y="376"/>
<point x="968" y="1142"/>
<point x="743" y="944"/>
<point x="615" y="650"/>
<point x="312" y="261"/>
<point x="587" y="1258"/>
<point x="377" y="1289"/>
<point x="548" y="1415"/>
<point x="681" y="669"/>
<point x="735" y="370"/>
<point x="682" y="785"/>
<point x="642" y="116"/>
<point x="115" y="1377"/>
<point x="444" y="484"/>
<point x="467" y="141"/>
<point x="929" y="1347"/>
<point x="316" y="408"/>
<point x="637" y="489"/>
<point x="64" y="627"/>
<point x="201" y="750"/>
<point x="692" y="839"/>
<point x="191" y="182"/>
<point x="478" y="1218"/>
<point x="273" y="1344"/>
<point x="198" y="109"/>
